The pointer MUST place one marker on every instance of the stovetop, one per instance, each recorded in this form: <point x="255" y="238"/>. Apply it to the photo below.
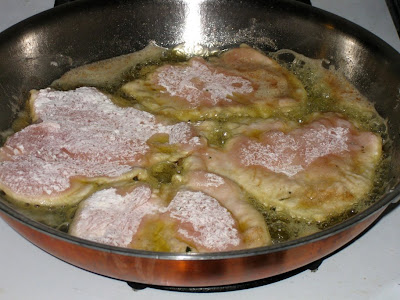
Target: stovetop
<point x="368" y="268"/>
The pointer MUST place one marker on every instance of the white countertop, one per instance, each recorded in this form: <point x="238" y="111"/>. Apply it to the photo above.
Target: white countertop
<point x="368" y="268"/>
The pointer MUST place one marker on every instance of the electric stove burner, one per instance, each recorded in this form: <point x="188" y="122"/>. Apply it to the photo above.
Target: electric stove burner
<point x="231" y="287"/>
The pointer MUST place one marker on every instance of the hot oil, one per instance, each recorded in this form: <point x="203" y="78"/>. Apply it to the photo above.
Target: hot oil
<point x="321" y="98"/>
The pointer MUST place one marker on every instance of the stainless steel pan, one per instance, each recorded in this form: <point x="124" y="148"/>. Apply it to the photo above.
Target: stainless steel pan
<point x="38" y="50"/>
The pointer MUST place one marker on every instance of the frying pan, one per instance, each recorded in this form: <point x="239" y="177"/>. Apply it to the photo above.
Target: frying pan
<point x="40" y="49"/>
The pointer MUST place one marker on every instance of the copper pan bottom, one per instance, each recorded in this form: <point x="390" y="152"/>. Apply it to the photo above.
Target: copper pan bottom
<point x="188" y="271"/>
